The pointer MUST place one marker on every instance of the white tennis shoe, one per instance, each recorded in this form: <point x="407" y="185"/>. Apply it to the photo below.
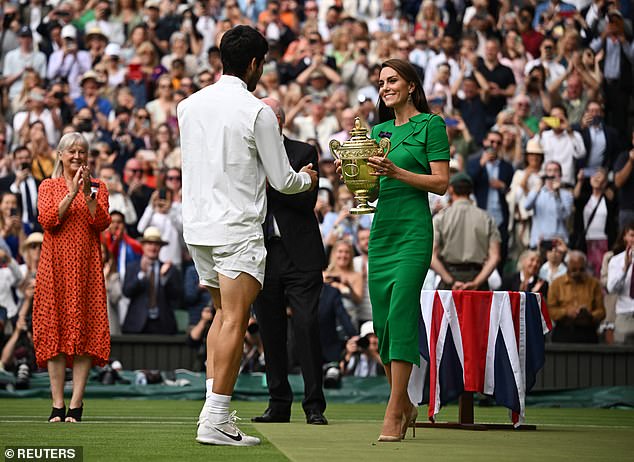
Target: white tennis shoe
<point x="224" y="433"/>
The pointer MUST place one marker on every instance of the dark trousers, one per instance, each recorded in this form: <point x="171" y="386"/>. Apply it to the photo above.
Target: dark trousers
<point x="285" y="285"/>
<point x="617" y="102"/>
<point x="568" y="333"/>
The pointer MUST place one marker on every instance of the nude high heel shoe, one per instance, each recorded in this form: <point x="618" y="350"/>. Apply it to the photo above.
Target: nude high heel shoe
<point x="409" y="420"/>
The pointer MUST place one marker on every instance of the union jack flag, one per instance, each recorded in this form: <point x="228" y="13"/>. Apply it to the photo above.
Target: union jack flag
<point x="488" y="342"/>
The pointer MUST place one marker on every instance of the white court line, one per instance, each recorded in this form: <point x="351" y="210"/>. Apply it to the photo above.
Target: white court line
<point x="192" y="423"/>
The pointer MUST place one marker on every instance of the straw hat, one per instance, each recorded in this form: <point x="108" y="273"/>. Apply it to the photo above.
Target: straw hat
<point x="153" y="235"/>
<point x="534" y="147"/>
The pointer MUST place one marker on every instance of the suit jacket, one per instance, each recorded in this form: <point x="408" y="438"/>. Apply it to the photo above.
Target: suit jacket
<point x="481" y="187"/>
<point x="169" y="296"/>
<point x="295" y="214"/>
<point x="612" y="148"/>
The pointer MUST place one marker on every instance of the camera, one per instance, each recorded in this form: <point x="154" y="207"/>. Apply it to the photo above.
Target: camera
<point x="363" y="343"/>
<point x="59" y="95"/>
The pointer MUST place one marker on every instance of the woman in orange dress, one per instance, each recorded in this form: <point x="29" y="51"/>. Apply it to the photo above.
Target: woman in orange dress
<point x="70" y="317"/>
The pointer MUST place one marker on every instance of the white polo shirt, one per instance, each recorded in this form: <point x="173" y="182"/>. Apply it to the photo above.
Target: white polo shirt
<point x="230" y="145"/>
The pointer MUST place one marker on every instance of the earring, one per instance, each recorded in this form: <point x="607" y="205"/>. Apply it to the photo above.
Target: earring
<point x="409" y="98"/>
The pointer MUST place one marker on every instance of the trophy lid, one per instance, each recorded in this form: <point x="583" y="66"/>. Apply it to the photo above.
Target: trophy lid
<point x="359" y="135"/>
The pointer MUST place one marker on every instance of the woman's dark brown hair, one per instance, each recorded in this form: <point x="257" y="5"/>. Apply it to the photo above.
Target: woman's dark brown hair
<point x="408" y="73"/>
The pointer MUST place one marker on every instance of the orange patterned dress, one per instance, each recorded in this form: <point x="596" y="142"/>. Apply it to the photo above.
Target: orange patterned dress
<point x="70" y="314"/>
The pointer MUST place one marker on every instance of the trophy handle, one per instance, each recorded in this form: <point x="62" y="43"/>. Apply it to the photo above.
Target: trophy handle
<point x="385" y="145"/>
<point x="334" y="147"/>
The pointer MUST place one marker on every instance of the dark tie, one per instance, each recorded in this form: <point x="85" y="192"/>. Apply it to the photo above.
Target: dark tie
<point x="153" y="313"/>
<point x="29" y="203"/>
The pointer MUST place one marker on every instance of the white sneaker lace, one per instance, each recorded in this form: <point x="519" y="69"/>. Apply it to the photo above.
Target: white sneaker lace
<point x="232" y="420"/>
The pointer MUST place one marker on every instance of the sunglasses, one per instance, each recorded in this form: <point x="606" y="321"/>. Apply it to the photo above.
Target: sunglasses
<point x="142" y="116"/>
<point x="173" y="178"/>
<point x="136" y="170"/>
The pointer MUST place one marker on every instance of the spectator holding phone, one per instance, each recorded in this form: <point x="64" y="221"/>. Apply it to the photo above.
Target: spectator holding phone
<point x="561" y="143"/>
<point x="161" y="213"/>
<point x="23" y="182"/>
<point x="551" y="206"/>
<point x="341" y="275"/>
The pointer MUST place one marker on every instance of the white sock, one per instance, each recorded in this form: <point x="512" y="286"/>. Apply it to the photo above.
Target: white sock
<point x="219" y="411"/>
<point x="209" y="384"/>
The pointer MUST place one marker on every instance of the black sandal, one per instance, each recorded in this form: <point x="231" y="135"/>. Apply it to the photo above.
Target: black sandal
<point x="58" y="412"/>
<point x="75" y="413"/>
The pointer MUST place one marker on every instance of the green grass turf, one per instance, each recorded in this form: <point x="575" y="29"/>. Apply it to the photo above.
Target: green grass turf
<point x="144" y="430"/>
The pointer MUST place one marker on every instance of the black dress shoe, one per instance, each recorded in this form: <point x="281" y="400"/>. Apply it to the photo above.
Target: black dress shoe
<point x="316" y="418"/>
<point x="270" y="416"/>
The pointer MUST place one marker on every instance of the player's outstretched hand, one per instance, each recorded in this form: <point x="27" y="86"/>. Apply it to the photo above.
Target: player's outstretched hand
<point x="314" y="179"/>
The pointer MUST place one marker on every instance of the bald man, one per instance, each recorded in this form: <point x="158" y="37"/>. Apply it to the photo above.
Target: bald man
<point x="294" y="261"/>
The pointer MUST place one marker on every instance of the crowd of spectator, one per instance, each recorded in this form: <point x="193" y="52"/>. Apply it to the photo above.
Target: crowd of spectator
<point x="535" y="97"/>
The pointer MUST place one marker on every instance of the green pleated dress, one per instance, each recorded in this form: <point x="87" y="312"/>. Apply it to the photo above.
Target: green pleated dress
<point x="401" y="238"/>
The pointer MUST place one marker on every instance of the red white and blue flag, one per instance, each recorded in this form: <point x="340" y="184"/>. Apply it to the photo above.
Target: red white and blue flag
<point x="488" y="342"/>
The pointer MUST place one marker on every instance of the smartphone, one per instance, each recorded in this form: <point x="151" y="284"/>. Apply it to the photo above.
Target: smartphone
<point x="13" y="212"/>
<point x="547" y="245"/>
<point x="162" y="194"/>
<point x="25" y="166"/>
<point x="134" y="71"/>
<point x="552" y="122"/>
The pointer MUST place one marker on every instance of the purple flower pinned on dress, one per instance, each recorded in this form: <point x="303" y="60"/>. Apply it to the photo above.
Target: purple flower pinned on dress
<point x="385" y="134"/>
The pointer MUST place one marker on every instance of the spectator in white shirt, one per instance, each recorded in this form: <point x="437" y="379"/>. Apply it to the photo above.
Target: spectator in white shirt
<point x="69" y="63"/>
<point x="561" y="144"/>
<point x="621" y="283"/>
<point x="16" y="61"/>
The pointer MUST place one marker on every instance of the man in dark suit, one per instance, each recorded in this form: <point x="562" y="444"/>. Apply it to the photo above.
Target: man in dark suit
<point x="22" y="182"/>
<point x="492" y="177"/>
<point x="154" y="288"/>
<point x="294" y="261"/>
<point x="602" y="142"/>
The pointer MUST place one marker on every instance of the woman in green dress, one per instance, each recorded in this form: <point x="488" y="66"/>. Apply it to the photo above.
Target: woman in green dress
<point x="402" y="236"/>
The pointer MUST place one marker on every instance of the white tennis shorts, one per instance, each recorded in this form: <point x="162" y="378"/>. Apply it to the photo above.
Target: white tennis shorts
<point x="230" y="260"/>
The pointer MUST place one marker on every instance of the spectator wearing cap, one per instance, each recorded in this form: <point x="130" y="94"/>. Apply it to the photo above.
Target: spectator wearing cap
<point x="96" y="42"/>
<point x="116" y="72"/>
<point x="21" y="58"/>
<point x="466" y="240"/>
<point x="90" y="98"/>
<point x="361" y="358"/>
<point x="154" y="288"/>
<point x="524" y="181"/>
<point x="110" y="26"/>
<point x="69" y="62"/>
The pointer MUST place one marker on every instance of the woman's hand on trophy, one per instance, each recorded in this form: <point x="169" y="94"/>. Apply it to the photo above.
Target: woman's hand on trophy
<point x="338" y="168"/>
<point x="382" y="166"/>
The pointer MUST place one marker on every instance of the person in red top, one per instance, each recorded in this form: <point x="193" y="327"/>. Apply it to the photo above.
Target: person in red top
<point x="70" y="318"/>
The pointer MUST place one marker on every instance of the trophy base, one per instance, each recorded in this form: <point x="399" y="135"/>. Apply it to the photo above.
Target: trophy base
<point x="362" y="209"/>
